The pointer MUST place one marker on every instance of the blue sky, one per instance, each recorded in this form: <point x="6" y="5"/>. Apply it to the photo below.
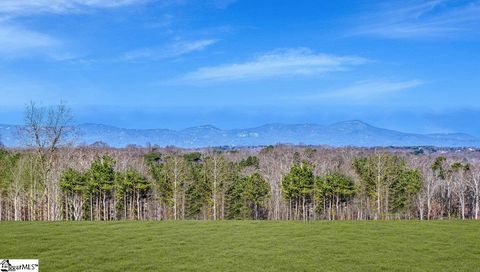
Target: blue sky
<point x="408" y="65"/>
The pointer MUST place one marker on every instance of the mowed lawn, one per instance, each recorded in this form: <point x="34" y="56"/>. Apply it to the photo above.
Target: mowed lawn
<point x="245" y="245"/>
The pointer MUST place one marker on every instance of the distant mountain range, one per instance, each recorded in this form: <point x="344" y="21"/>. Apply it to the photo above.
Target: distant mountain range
<point x="349" y="133"/>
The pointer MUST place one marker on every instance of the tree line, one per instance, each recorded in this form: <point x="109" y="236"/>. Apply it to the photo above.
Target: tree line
<point x="52" y="179"/>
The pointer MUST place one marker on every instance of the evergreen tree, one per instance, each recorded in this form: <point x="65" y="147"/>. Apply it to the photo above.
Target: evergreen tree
<point x="334" y="190"/>
<point x="257" y="192"/>
<point x="100" y="181"/>
<point x="298" y="188"/>
<point x="198" y="192"/>
<point x="251" y="161"/>
<point x="404" y="190"/>
<point x="8" y="163"/>
<point x="74" y="186"/>
<point x="386" y="181"/>
<point x="131" y="191"/>
<point x="247" y="196"/>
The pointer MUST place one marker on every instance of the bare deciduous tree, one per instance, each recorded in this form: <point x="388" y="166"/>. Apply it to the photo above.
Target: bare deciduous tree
<point x="47" y="129"/>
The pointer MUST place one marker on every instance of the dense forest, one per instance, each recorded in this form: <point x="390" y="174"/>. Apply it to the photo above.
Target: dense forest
<point x="51" y="178"/>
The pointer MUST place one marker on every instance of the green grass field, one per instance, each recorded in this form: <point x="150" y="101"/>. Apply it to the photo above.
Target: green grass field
<point x="245" y="245"/>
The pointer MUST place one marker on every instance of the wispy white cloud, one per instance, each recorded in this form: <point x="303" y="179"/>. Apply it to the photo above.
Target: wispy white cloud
<point x="373" y="89"/>
<point x="19" y="41"/>
<point x="363" y="91"/>
<point x="279" y="63"/>
<point x="25" y="7"/>
<point x="16" y="41"/>
<point x="421" y="19"/>
<point x="176" y="49"/>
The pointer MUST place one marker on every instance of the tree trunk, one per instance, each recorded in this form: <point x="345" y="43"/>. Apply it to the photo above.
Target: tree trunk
<point x="476" y="205"/>
<point x="91" y="207"/>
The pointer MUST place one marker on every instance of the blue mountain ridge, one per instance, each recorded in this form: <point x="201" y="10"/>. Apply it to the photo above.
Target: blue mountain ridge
<point x="348" y="133"/>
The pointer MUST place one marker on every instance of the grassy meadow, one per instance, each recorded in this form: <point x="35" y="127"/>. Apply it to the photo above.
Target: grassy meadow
<point x="245" y="245"/>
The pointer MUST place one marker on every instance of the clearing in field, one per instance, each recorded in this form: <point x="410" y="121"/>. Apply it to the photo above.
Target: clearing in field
<point x="245" y="245"/>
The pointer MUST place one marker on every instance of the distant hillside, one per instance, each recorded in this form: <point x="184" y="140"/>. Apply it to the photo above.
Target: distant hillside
<point x="349" y="133"/>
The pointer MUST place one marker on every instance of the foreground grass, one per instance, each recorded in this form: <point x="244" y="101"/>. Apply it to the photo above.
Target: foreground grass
<point x="245" y="245"/>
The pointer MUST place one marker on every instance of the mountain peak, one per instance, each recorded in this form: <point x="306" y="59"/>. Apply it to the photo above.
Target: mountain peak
<point x="203" y="127"/>
<point x="353" y="123"/>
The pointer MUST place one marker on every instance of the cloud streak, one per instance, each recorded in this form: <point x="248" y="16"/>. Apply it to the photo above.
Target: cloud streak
<point x="16" y="41"/>
<point x="26" y="7"/>
<point x="362" y="91"/>
<point x="176" y="49"/>
<point x="372" y="89"/>
<point x="422" y="19"/>
<point x="279" y="63"/>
